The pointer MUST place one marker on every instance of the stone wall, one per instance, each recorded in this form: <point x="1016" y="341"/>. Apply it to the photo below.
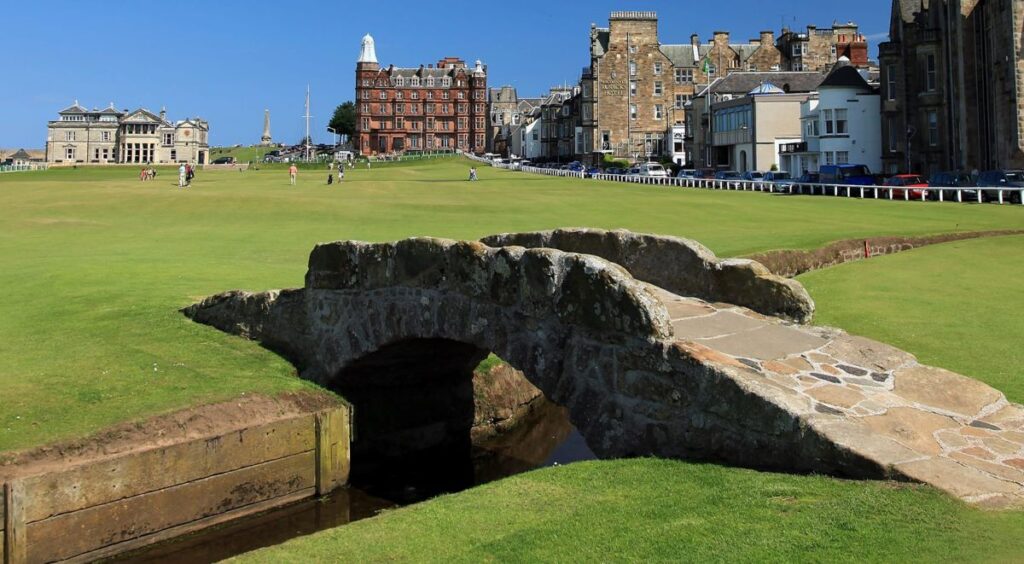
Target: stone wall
<point x="681" y="266"/>
<point x="125" y="500"/>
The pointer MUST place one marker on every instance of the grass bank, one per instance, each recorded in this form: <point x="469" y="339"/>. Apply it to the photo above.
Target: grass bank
<point x="659" y="510"/>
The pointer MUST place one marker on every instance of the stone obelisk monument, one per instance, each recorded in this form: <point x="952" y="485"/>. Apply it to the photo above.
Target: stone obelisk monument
<point x="266" y="139"/>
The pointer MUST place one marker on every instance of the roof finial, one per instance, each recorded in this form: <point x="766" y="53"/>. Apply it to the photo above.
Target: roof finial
<point x="368" y="54"/>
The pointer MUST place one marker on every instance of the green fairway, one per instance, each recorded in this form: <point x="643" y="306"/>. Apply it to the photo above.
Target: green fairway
<point x="96" y="264"/>
<point x="656" y="510"/>
<point x="955" y="305"/>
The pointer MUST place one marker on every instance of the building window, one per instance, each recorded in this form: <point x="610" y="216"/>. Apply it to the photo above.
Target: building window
<point x="841" y="128"/>
<point x="399" y="95"/>
<point x="681" y="100"/>
<point x="657" y="69"/>
<point x="429" y="108"/>
<point x="842" y="157"/>
<point x="365" y="108"/>
<point x="462" y="95"/>
<point x="399" y="123"/>
<point x="105" y="136"/>
<point x="826" y="116"/>
<point x="632" y="111"/>
<point x="430" y="95"/>
<point x="366" y="82"/>
<point x="632" y="68"/>
<point x="463" y="123"/>
<point x="174" y="155"/>
<point x="684" y="76"/>
<point x="430" y="82"/>
<point x="399" y="108"/>
<point x="658" y="88"/>
<point x="445" y="95"/>
<point x="830" y="158"/>
<point x="366" y="94"/>
<point x="929" y="73"/>
<point x="632" y="48"/>
<point x="415" y="96"/>
<point x="446" y="82"/>
<point x="712" y="70"/>
<point x="399" y="81"/>
<point x="168" y="139"/>
<point x="69" y="135"/>
<point x="414" y="81"/>
<point x="890" y="82"/>
<point x="430" y="124"/>
<point x="365" y="127"/>
<point x="659" y="111"/>
<point x="893" y="137"/>
<point x="933" y="128"/>
<point x="798" y="67"/>
<point x="632" y="88"/>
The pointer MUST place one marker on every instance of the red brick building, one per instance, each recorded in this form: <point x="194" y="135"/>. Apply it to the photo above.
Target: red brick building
<point x="419" y="109"/>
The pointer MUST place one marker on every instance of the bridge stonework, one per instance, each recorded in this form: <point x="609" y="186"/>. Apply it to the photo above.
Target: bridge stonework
<point x="657" y="362"/>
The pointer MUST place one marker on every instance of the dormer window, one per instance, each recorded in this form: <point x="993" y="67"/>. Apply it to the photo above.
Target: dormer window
<point x="430" y="82"/>
<point x="399" y="81"/>
<point x="415" y="81"/>
<point x="446" y="82"/>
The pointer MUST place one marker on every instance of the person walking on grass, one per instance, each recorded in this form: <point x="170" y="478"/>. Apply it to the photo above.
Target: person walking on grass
<point x="293" y="172"/>
<point x="181" y="175"/>
<point x="341" y="172"/>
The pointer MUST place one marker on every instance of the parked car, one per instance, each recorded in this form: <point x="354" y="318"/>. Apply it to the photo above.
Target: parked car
<point x="753" y="175"/>
<point x="576" y="166"/>
<point x="912" y="183"/>
<point x="851" y="174"/>
<point x="727" y="175"/>
<point x="590" y="172"/>
<point x="706" y="173"/>
<point x="653" y="170"/>
<point x="953" y="179"/>
<point x="223" y="160"/>
<point x="780" y="180"/>
<point x="633" y="171"/>
<point x="1002" y="179"/>
<point x="615" y="170"/>
<point x="687" y="173"/>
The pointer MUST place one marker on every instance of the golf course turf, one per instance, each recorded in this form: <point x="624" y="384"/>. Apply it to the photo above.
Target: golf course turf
<point x="96" y="265"/>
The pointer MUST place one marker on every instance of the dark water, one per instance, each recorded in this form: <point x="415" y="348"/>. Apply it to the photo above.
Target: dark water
<point x="545" y="438"/>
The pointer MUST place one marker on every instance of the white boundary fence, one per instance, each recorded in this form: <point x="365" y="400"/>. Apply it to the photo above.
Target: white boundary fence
<point x="961" y="194"/>
<point x="22" y="168"/>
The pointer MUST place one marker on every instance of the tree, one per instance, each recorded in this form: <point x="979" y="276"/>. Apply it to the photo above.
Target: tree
<point x="344" y="119"/>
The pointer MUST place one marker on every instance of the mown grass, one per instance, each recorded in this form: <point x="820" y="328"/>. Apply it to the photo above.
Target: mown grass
<point x="94" y="264"/>
<point x="955" y="305"/>
<point x="657" y="510"/>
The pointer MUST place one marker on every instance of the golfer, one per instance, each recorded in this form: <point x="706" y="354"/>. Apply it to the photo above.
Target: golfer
<point x="293" y="171"/>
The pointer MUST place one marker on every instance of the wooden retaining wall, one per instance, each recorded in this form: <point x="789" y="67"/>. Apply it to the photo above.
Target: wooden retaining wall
<point x="111" y="505"/>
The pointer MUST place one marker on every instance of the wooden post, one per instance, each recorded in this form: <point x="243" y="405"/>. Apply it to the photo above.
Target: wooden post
<point x="14" y="523"/>
<point x="332" y="449"/>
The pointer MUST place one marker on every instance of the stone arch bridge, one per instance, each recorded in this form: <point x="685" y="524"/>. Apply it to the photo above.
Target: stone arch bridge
<point x="654" y="345"/>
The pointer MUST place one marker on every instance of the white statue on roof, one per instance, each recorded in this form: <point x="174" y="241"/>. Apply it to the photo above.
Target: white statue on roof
<point x="369" y="53"/>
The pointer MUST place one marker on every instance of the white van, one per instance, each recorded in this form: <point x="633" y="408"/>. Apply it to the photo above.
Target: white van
<point x="653" y="169"/>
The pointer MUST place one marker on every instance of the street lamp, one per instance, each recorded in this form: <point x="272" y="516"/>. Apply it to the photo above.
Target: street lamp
<point x="331" y="129"/>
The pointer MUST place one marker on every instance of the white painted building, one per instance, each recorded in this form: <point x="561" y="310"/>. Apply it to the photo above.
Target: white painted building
<point x="841" y="124"/>
<point x="530" y="140"/>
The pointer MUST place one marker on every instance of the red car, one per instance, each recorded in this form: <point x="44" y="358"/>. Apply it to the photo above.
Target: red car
<point x="912" y="183"/>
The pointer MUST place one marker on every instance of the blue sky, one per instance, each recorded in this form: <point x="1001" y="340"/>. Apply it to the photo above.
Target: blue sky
<point x="226" y="61"/>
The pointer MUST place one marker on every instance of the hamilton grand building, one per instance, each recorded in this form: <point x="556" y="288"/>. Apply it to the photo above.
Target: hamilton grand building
<point x="419" y="109"/>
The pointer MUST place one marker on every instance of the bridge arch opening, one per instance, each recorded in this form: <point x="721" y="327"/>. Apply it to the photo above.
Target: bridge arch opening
<point x="415" y="403"/>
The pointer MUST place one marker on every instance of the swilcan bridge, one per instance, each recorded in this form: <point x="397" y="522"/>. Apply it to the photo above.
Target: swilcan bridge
<point x="654" y="345"/>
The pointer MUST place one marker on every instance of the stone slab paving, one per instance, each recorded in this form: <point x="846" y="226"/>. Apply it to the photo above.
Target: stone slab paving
<point x="924" y="423"/>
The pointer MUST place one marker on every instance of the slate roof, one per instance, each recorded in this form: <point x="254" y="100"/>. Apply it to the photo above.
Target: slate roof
<point x="741" y="83"/>
<point x="73" y="109"/>
<point x="846" y="76"/>
<point x="21" y="155"/>
<point x="424" y="72"/>
<point x="682" y="55"/>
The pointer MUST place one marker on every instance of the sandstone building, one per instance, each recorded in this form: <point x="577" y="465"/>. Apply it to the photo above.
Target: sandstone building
<point x="952" y="79"/>
<point x="634" y="93"/>
<point x="819" y="49"/>
<point x="417" y="109"/>
<point x="111" y="136"/>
